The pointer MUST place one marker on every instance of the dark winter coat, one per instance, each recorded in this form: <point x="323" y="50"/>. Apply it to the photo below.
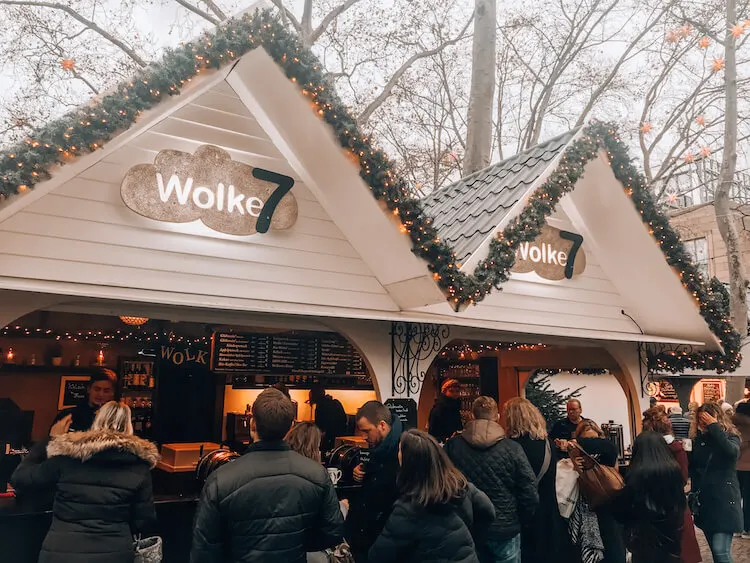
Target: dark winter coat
<point x="445" y="418"/>
<point x="499" y="468"/>
<point x="651" y="537"/>
<point x="103" y="495"/>
<point x="547" y="535"/>
<point x="272" y="504"/>
<point x="716" y="479"/>
<point x="330" y="417"/>
<point x="689" y="550"/>
<point x="373" y="504"/>
<point x="441" y="534"/>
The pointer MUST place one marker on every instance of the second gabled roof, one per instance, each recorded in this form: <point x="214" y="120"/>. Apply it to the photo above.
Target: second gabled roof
<point x="466" y="212"/>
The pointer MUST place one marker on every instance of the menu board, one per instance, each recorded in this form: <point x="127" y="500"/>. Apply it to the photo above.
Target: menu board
<point x="405" y="409"/>
<point x="711" y="391"/>
<point x="300" y="354"/>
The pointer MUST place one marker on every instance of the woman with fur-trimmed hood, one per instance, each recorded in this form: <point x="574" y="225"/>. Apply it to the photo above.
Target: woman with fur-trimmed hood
<point x="102" y="480"/>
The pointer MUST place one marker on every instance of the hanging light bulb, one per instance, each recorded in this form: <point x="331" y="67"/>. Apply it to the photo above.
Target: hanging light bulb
<point x="134" y="321"/>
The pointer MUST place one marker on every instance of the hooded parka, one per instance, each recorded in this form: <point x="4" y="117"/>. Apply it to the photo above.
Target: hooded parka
<point x="103" y="495"/>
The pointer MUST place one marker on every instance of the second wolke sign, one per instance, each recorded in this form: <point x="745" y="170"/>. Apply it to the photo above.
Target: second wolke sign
<point x="553" y="255"/>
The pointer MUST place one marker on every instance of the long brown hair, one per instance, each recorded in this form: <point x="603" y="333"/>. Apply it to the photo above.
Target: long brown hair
<point x="656" y="419"/>
<point x="721" y="417"/>
<point x="522" y="418"/>
<point x="585" y="425"/>
<point x="427" y="476"/>
<point x="304" y="438"/>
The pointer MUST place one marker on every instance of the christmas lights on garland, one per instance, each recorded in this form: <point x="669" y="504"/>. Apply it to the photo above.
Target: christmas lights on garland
<point x="88" y="128"/>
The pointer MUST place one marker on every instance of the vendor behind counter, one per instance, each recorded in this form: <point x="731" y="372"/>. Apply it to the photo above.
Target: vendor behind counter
<point x="100" y="390"/>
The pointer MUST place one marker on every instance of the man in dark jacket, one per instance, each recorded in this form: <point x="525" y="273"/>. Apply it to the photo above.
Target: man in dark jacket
<point x="498" y="467"/>
<point x="330" y="416"/>
<point x="445" y="416"/>
<point x="374" y="502"/>
<point x="270" y="505"/>
<point x="99" y="390"/>
<point x="563" y="430"/>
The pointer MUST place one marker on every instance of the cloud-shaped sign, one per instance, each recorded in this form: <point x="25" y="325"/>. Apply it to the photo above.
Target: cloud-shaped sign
<point x="227" y="196"/>
<point x="553" y="255"/>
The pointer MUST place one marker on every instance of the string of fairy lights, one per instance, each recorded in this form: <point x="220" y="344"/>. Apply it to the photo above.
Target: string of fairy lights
<point x="87" y="129"/>
<point x="103" y="336"/>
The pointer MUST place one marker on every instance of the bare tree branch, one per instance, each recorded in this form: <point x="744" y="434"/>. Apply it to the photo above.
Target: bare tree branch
<point x="93" y="26"/>
<point x="388" y="88"/>
<point x="285" y="13"/>
<point x="197" y="10"/>
<point x="329" y="17"/>
<point x="215" y="9"/>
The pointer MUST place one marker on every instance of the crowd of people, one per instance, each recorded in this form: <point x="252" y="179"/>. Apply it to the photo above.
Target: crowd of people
<point x="497" y="490"/>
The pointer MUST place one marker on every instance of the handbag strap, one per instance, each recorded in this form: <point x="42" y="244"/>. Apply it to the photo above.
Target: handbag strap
<point x="545" y="463"/>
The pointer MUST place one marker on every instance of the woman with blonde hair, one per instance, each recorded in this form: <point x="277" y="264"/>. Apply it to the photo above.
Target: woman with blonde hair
<point x="103" y="488"/>
<point x="546" y="538"/>
<point x="717" y="502"/>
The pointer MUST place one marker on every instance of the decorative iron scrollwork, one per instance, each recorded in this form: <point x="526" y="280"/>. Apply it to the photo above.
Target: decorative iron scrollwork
<point x="411" y="345"/>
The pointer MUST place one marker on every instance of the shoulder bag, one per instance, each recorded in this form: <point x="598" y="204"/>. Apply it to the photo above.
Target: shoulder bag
<point x="147" y="550"/>
<point x="545" y="463"/>
<point x="599" y="483"/>
<point x="694" y="497"/>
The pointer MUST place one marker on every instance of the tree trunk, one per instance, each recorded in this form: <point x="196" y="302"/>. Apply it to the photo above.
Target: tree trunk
<point x="722" y="206"/>
<point x="479" y="122"/>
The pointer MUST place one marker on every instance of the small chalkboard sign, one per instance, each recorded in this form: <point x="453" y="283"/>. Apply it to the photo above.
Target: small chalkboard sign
<point x="405" y="409"/>
<point x="72" y="390"/>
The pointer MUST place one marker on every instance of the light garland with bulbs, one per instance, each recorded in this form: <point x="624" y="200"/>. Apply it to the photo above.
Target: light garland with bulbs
<point x="140" y="337"/>
<point x="88" y="128"/>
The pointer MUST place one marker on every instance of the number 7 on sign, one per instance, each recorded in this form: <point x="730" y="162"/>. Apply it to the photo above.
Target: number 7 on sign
<point x="577" y="242"/>
<point x="285" y="184"/>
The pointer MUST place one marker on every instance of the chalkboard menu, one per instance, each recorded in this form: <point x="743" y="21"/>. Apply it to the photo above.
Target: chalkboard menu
<point x="405" y="409"/>
<point x="295" y="358"/>
<point x="72" y="391"/>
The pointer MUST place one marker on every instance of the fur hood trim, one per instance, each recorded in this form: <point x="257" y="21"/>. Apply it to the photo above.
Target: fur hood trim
<point x="84" y="445"/>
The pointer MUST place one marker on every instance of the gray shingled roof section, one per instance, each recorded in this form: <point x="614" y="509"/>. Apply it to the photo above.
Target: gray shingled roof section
<point x="466" y="212"/>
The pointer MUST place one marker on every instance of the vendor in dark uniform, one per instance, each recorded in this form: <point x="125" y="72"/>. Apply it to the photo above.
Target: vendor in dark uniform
<point x="100" y="390"/>
<point x="330" y="416"/>
<point x="563" y="430"/>
<point x="445" y="416"/>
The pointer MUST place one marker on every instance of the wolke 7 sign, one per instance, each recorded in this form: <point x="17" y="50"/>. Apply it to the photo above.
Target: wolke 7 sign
<point x="553" y="255"/>
<point x="227" y="196"/>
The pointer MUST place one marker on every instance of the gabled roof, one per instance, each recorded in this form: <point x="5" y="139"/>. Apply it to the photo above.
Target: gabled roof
<point x="466" y="212"/>
<point x="88" y="128"/>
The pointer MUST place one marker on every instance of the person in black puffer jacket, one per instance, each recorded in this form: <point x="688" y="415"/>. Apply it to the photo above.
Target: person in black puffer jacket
<point x="445" y="416"/>
<point x="270" y="505"/>
<point x="438" y="515"/>
<point x="103" y="489"/>
<point x="497" y="466"/>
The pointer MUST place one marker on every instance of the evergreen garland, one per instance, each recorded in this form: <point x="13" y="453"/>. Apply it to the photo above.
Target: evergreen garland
<point x="88" y="128"/>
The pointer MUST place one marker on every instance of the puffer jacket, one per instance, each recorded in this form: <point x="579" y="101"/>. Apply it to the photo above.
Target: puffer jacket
<point x="103" y="495"/>
<point x="441" y="533"/>
<point x="498" y="467"/>
<point x="272" y="504"/>
<point x="713" y="470"/>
